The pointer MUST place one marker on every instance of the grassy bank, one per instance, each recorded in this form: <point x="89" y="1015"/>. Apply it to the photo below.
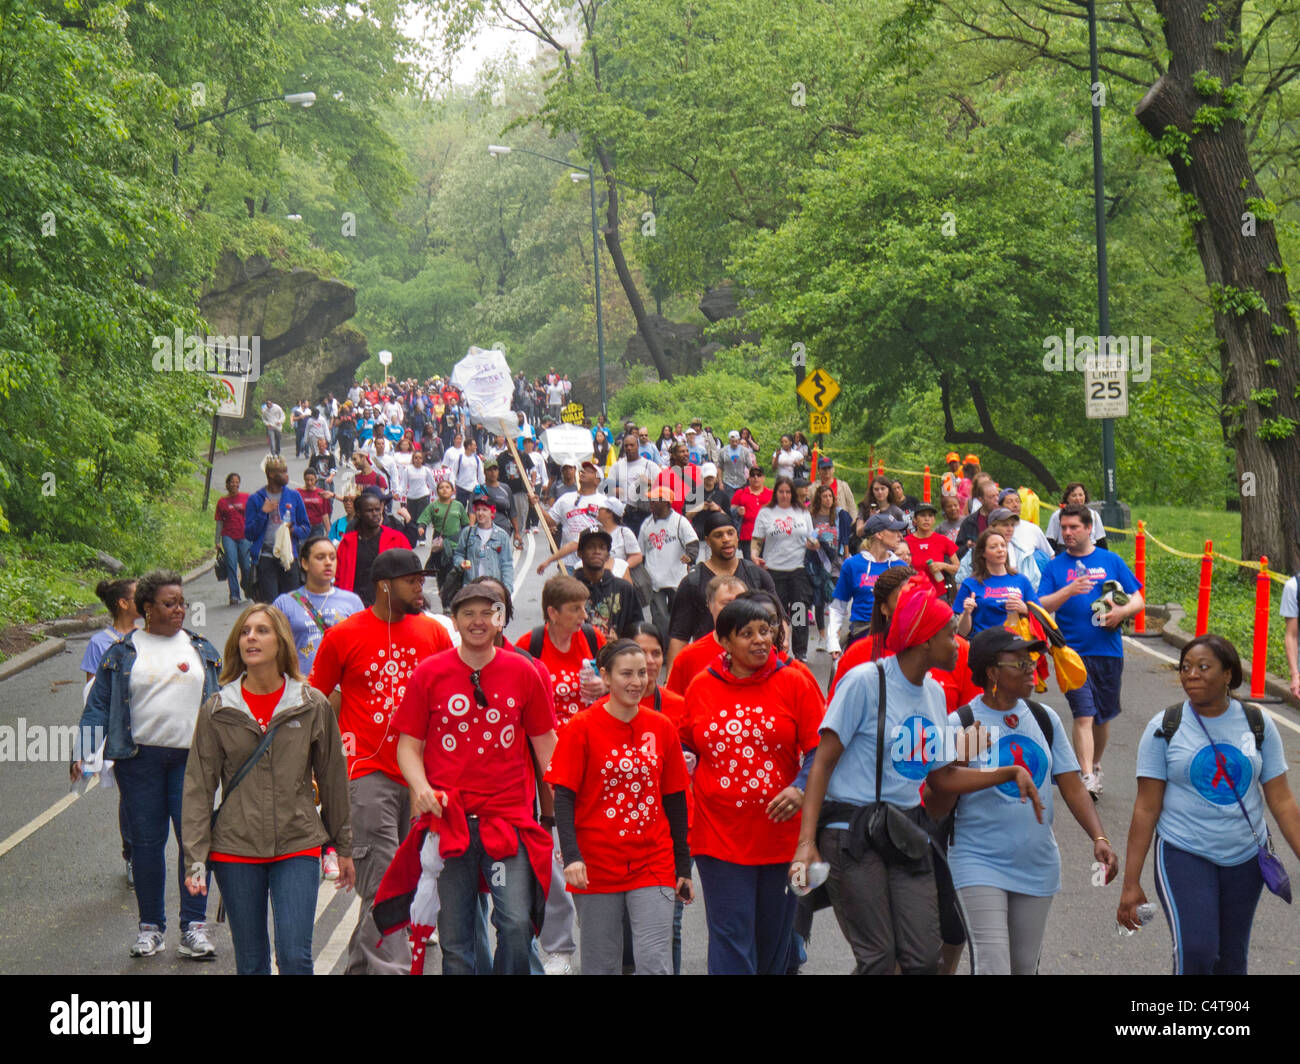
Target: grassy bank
<point x="43" y="580"/>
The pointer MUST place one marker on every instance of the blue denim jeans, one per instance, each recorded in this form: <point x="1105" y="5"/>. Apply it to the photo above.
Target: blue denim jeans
<point x="291" y="885"/>
<point x="511" y="883"/>
<point x="239" y="563"/>
<point x="151" y="784"/>
<point x="750" y="916"/>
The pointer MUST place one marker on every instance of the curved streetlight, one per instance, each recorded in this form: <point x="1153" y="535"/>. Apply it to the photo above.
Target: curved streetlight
<point x="589" y="175"/>
<point x="294" y="99"/>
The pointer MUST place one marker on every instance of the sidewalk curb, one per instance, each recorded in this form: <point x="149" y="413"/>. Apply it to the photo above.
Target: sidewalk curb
<point x="32" y="656"/>
<point x="1273" y="685"/>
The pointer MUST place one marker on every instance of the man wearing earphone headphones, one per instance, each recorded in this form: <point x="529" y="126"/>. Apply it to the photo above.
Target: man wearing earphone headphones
<point x="363" y="665"/>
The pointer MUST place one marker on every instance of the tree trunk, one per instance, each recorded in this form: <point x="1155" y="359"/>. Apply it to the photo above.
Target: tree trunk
<point x="989" y="435"/>
<point x="615" y="245"/>
<point x="1253" y="315"/>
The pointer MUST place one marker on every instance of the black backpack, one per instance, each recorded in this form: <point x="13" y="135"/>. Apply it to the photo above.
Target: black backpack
<point x="967" y="717"/>
<point x="1174" y="717"/>
<point x="538" y="634"/>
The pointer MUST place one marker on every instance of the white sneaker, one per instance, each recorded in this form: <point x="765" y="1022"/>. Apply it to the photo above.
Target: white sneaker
<point x="196" y="945"/>
<point x="1098" y="776"/>
<point x="148" y="942"/>
<point x="330" y="865"/>
<point x="1091" y="784"/>
<point x="559" y="964"/>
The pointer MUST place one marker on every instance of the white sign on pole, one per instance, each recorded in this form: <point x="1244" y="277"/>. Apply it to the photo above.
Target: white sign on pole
<point x="1105" y="388"/>
<point x="484" y="379"/>
<point x="385" y="358"/>
<point x="233" y="392"/>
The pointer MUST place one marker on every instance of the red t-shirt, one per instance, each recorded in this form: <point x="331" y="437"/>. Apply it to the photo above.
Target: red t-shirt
<point x="958" y="687"/>
<point x="681" y="487"/>
<point x="934" y="548"/>
<point x="692" y="660"/>
<point x="261" y="706"/>
<point x="371" y="662"/>
<point x="565" y="670"/>
<point x="750" y="504"/>
<point x="230" y="512"/>
<point x="748" y="735"/>
<point x="481" y="751"/>
<point x="620" y="773"/>
<point x="318" y="507"/>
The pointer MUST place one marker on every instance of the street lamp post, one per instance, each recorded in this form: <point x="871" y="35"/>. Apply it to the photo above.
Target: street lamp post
<point x="577" y="174"/>
<point x="1112" y="512"/>
<point x="296" y="99"/>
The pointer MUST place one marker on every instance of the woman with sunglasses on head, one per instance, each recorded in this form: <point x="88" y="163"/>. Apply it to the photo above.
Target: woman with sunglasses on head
<point x="264" y="842"/>
<point x="994" y="590"/>
<point x="1205" y="770"/>
<point x="1003" y="858"/>
<point x="144" y="701"/>
<point x="620" y="809"/>
<point x="749" y="718"/>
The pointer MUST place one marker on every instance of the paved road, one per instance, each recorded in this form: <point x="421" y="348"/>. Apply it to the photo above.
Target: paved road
<point x="65" y="907"/>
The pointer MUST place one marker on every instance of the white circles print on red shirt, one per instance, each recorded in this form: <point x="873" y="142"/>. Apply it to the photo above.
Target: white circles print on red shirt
<point x="744" y="742"/>
<point x="627" y="782"/>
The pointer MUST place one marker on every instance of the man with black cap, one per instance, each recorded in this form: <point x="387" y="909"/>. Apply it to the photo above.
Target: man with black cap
<point x="854" y="593"/>
<point x="488" y="769"/>
<point x="613" y="607"/>
<point x="843" y="493"/>
<point x="690" y="618"/>
<point x="932" y="554"/>
<point x="364" y="665"/>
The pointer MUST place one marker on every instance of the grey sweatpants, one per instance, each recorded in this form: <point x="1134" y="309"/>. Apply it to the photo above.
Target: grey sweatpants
<point x="1005" y="929"/>
<point x="381" y="817"/>
<point x="650" y="912"/>
<point x="556" y="935"/>
<point x="888" y="914"/>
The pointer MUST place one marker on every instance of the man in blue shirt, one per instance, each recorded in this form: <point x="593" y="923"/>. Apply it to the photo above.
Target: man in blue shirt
<point x="1071" y="584"/>
<point x="269" y="508"/>
<point x="856" y="585"/>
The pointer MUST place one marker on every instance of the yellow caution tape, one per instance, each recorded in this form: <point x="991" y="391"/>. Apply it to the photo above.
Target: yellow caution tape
<point x="1275" y="577"/>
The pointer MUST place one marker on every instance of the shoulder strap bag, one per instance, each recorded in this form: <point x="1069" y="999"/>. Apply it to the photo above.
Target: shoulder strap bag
<point x="1273" y="871"/>
<point x="897" y="838"/>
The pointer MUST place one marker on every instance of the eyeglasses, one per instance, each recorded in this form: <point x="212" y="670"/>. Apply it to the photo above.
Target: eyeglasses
<point x="479" y="695"/>
<point x="1019" y="666"/>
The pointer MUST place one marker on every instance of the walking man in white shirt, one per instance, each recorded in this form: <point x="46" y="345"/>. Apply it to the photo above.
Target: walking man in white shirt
<point x="273" y="419"/>
<point x="670" y="546"/>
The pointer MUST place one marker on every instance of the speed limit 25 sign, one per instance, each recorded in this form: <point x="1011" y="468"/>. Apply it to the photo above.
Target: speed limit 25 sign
<point x="1106" y="392"/>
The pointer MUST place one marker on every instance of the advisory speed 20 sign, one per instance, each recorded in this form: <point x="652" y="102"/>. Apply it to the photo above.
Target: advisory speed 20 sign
<point x="819" y="423"/>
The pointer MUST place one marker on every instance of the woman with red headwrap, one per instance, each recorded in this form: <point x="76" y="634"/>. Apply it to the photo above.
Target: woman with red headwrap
<point x="885" y="900"/>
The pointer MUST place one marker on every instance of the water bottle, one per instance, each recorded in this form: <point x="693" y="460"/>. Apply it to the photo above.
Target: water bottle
<point x="815" y="875"/>
<point x="1146" y="912"/>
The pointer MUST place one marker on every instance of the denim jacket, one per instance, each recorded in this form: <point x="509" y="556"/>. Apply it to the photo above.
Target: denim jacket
<point x="108" y="705"/>
<point x="494" y="559"/>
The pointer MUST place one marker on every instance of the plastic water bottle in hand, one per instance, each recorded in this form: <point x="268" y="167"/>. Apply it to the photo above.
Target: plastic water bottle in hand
<point x="1146" y="912"/>
<point x="805" y="879"/>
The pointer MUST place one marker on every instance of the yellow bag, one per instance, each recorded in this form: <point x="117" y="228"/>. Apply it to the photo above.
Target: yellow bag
<point x="1028" y="505"/>
<point x="1071" y="672"/>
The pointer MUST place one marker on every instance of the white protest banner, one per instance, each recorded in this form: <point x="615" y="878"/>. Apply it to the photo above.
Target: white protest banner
<point x="484" y="379"/>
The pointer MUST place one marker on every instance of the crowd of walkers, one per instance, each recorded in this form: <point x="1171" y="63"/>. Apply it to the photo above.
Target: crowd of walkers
<point x="542" y="802"/>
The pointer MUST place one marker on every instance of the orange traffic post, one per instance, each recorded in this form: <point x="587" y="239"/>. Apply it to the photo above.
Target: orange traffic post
<point x="1140" y="571"/>
<point x="1259" y="656"/>
<point x="925" y="488"/>
<point x="881" y="471"/>
<point x="1203" y="597"/>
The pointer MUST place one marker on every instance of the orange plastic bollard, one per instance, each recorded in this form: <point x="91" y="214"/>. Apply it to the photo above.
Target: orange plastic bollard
<point x="1140" y="571"/>
<point x="1203" y="598"/>
<point x="1259" y="658"/>
<point x="881" y="471"/>
<point x="925" y="488"/>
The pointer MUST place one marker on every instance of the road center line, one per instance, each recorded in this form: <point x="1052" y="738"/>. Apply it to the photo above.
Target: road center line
<point x="36" y="823"/>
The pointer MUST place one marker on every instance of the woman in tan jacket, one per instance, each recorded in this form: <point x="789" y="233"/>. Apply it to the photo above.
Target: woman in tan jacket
<point x="265" y="839"/>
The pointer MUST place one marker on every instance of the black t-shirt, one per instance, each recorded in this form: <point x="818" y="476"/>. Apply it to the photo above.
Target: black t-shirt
<point x="505" y="504"/>
<point x="510" y="472"/>
<point x="321" y="464"/>
<point x="690" y="617"/>
<point x="613" y="606"/>
<point x="367" y="552"/>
